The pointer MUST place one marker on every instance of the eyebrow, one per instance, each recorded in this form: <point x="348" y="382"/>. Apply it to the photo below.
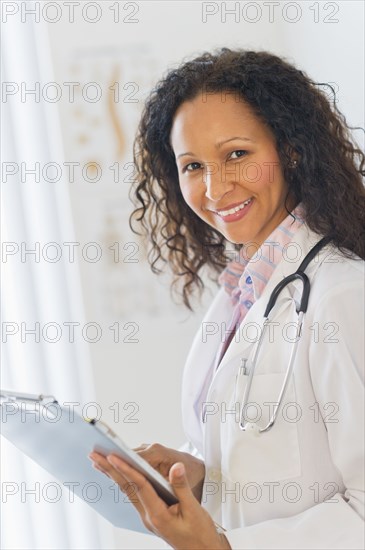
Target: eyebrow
<point x="219" y="145"/>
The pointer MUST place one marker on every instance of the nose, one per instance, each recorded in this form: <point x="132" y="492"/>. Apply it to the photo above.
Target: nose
<point x="216" y="181"/>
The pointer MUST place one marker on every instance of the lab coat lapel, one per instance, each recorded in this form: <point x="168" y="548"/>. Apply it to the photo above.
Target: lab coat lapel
<point x="200" y="360"/>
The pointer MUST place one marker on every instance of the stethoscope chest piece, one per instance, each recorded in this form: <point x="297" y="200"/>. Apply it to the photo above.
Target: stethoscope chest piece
<point x="252" y="428"/>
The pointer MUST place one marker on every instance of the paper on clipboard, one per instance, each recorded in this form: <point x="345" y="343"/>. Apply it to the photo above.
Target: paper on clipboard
<point x="60" y="440"/>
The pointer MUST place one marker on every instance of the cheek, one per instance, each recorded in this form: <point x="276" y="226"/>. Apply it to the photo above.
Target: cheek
<point x="265" y="176"/>
<point x="191" y="196"/>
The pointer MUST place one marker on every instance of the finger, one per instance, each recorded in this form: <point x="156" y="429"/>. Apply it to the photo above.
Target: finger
<point x="151" y="502"/>
<point x="100" y="463"/>
<point x="141" y="447"/>
<point x="181" y="487"/>
<point x="154" y="455"/>
<point x="97" y="467"/>
<point x="130" y="488"/>
<point x="126" y="486"/>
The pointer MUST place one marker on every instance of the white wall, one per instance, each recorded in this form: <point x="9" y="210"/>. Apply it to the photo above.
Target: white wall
<point x="148" y="372"/>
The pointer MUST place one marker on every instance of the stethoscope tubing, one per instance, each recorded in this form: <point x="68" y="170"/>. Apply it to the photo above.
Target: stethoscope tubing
<point x="299" y="274"/>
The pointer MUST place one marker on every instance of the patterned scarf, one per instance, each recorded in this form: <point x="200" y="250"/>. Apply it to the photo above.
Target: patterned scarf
<point x="245" y="279"/>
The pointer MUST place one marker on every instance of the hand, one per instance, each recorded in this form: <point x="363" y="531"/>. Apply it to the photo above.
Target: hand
<point x="162" y="459"/>
<point x="185" y="525"/>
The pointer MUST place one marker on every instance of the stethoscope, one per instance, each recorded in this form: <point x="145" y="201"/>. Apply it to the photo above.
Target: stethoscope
<point x="299" y="274"/>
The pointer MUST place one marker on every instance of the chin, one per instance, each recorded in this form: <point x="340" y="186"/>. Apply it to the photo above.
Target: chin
<point x="234" y="240"/>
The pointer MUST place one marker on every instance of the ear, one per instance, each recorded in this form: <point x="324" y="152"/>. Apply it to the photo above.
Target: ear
<point x="293" y="156"/>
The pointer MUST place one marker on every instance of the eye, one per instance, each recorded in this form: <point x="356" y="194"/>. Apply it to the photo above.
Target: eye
<point x="241" y="151"/>
<point x="187" y="169"/>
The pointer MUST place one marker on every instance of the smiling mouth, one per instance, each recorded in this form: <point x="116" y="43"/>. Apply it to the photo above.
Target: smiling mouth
<point x="233" y="210"/>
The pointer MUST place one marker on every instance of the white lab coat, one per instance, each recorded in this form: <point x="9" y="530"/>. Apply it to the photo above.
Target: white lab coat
<point x="272" y="490"/>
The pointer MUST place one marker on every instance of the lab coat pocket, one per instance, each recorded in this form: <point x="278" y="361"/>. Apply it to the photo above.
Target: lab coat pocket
<point x="272" y="455"/>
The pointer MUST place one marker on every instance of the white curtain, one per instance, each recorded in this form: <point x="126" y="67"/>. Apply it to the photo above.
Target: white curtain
<point x="36" y="289"/>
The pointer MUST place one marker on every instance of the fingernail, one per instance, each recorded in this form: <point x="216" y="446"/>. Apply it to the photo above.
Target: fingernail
<point x="179" y="469"/>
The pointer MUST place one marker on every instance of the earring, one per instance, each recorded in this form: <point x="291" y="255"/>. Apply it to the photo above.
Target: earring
<point x="293" y="163"/>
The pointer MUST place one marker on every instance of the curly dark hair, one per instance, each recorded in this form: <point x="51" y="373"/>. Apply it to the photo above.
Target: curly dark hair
<point x="327" y="181"/>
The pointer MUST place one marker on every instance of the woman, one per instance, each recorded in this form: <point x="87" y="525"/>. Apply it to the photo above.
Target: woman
<point x="240" y="147"/>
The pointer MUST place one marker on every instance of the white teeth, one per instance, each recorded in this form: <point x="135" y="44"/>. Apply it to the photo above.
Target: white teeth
<point x="235" y="209"/>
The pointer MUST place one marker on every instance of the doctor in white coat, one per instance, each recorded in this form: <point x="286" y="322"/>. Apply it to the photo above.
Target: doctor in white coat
<point x="248" y="162"/>
<point x="300" y="484"/>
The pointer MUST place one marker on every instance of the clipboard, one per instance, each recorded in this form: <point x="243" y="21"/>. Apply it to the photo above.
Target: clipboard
<point x="59" y="440"/>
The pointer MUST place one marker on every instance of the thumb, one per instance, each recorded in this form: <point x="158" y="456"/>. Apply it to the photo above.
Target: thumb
<point x="180" y="484"/>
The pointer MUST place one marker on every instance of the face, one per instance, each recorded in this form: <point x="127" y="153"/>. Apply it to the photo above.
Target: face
<point x="229" y="168"/>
